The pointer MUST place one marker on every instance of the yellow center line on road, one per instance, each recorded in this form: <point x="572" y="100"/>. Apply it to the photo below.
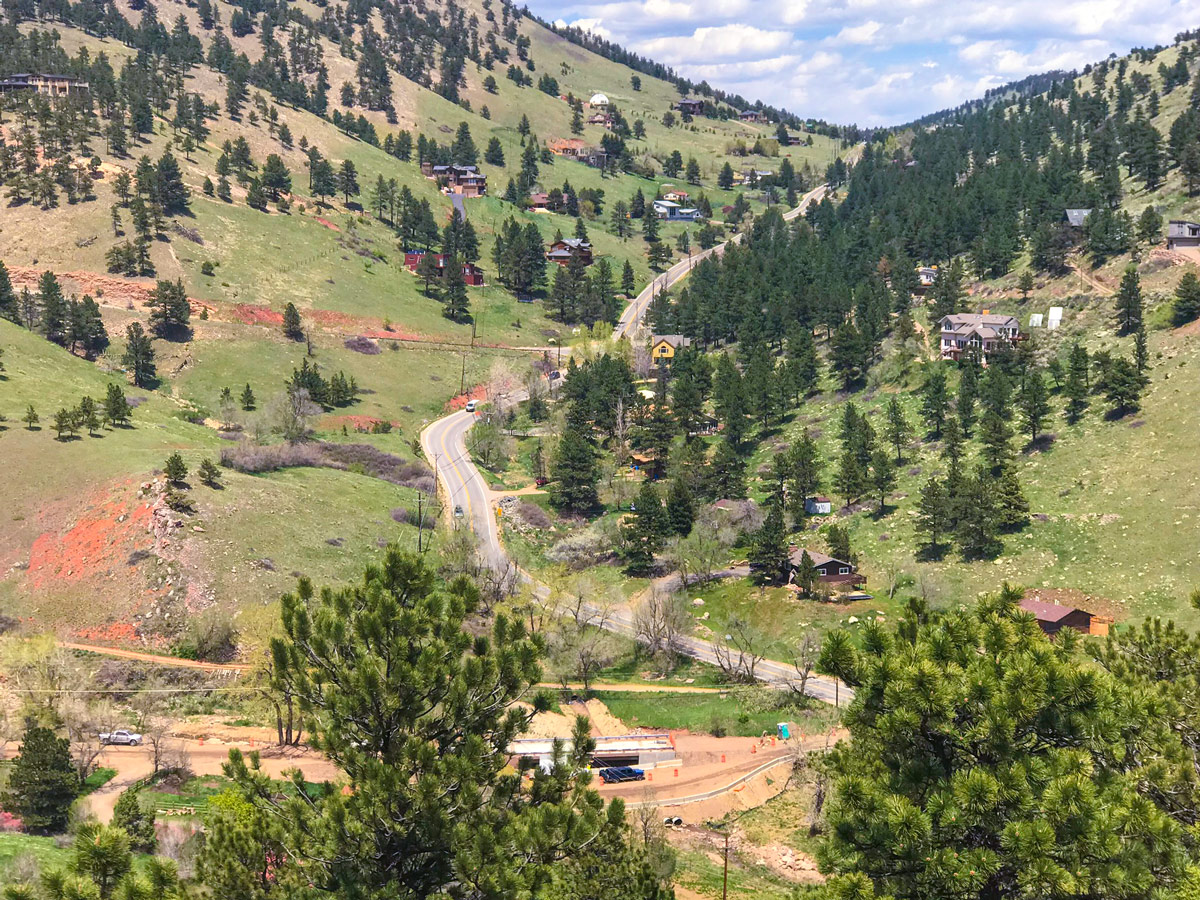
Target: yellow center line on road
<point x="462" y="481"/>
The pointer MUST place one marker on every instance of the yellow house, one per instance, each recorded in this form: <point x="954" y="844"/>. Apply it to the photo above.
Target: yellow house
<point x="663" y="346"/>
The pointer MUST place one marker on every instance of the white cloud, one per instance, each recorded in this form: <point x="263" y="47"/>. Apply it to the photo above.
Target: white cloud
<point x="866" y="33"/>
<point x="718" y="42"/>
<point x="874" y="61"/>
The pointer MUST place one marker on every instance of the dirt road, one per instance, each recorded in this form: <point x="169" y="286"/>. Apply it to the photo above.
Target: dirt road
<point x="155" y="658"/>
<point x="135" y="763"/>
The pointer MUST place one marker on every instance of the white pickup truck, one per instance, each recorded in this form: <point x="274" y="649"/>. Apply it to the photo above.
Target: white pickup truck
<point x="121" y="737"/>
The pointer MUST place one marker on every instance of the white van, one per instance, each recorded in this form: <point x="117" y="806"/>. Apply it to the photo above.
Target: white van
<point x="471" y="406"/>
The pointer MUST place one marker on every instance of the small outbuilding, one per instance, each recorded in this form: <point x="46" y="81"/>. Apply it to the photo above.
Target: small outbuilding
<point x="818" y="506"/>
<point x="1053" y="618"/>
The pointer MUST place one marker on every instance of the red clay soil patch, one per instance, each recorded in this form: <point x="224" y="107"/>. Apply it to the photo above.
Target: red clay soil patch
<point x="478" y="392"/>
<point x="99" y="542"/>
<point x="254" y="314"/>
<point x="326" y="223"/>
<point x="116" y="633"/>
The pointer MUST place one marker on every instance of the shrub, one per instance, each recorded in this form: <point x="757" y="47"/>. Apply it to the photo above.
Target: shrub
<point x="362" y="345"/>
<point x="534" y="516"/>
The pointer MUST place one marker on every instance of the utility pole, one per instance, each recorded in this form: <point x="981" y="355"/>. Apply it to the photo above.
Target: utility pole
<point x="462" y="381"/>
<point x="420" y="520"/>
<point x="725" y="873"/>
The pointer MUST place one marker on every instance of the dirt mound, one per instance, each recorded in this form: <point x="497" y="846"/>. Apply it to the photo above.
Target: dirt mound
<point x="478" y="392"/>
<point x="354" y="423"/>
<point x="326" y="223"/>
<point x="111" y="290"/>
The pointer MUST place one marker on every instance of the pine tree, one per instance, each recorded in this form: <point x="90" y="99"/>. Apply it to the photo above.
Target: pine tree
<point x="947" y="293"/>
<point x="175" y="469"/>
<point x="129" y="816"/>
<point x="9" y="308"/>
<point x="628" y="284"/>
<point x="728" y="472"/>
<point x="42" y="782"/>
<point x="645" y="532"/>
<point x="574" y="473"/>
<point x="1012" y="509"/>
<point x="55" y="312"/>
<point x="995" y="434"/>
<point x="293" y="329"/>
<point x="210" y="475"/>
<point x="968" y="395"/>
<point x="247" y="399"/>
<point x="454" y="292"/>
<point x="768" y="549"/>
<point x="851" y="477"/>
<point x="116" y="407"/>
<point x="883" y="476"/>
<point x="933" y="516"/>
<point x="1123" y="387"/>
<point x="1129" y="302"/>
<point x="952" y="683"/>
<point x="30" y="418"/>
<point x="1185" y="310"/>
<point x="170" y="310"/>
<point x="1034" y="402"/>
<point x="935" y="399"/>
<point x="681" y="510"/>
<point x="806" y="573"/>
<point x="898" y="431"/>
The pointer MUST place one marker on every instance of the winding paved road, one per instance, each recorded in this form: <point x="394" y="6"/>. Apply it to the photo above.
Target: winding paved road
<point x="444" y="444"/>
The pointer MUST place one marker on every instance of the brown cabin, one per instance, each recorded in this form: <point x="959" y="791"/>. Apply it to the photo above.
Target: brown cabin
<point x="1053" y="618"/>
<point x="830" y="571"/>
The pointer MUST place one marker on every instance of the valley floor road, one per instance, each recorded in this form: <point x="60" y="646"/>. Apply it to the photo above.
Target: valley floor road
<point x="444" y="444"/>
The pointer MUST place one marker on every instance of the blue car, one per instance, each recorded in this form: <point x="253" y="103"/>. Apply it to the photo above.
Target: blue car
<point x="617" y="774"/>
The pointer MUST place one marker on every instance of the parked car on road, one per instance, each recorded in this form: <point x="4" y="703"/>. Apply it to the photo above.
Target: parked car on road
<point x="132" y="738"/>
<point x="617" y="774"/>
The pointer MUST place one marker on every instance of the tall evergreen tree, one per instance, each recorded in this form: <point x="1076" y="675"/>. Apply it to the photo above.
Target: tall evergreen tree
<point x="42" y="783"/>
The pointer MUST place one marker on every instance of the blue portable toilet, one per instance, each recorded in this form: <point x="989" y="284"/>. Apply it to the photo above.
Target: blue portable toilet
<point x="784" y="733"/>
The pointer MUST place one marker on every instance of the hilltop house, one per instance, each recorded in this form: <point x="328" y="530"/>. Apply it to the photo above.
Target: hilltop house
<point x="563" y="251"/>
<point x="598" y="101"/>
<point x="981" y="333"/>
<point x="46" y="85"/>
<point x="673" y="212"/>
<point x="472" y="274"/>
<point x="830" y="571"/>
<point x="664" y="346"/>
<point x="1182" y="235"/>
<point x="690" y="107"/>
<point x="753" y="115"/>
<point x="465" y="180"/>
<point x="1053" y="618"/>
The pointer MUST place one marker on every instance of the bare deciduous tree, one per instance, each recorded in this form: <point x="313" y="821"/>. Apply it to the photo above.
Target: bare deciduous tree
<point x="659" y="621"/>
<point x="805" y="652"/>
<point x="740" y="650"/>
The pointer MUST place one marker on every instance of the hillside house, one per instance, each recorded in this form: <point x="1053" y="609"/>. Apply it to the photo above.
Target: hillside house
<point x="676" y="195"/>
<point x="572" y="147"/>
<point x="1182" y="235"/>
<point x="977" y="332"/>
<point x="690" y="107"/>
<point x="753" y="115"/>
<point x="563" y="251"/>
<point x="673" y="212"/>
<point x="465" y="180"/>
<point x="472" y="274"/>
<point x="830" y="571"/>
<point x="818" y="506"/>
<point x="602" y="119"/>
<point x="1077" y="218"/>
<point x="1053" y="618"/>
<point x="664" y="346"/>
<point x="926" y="276"/>
<point x="539" y="200"/>
<point x="598" y="101"/>
<point x="594" y="157"/>
<point x="46" y="85"/>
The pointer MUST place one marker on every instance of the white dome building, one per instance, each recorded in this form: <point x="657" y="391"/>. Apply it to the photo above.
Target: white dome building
<point x="598" y="100"/>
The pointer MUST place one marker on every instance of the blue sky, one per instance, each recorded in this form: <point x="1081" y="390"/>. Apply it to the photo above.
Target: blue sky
<point x="874" y="62"/>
